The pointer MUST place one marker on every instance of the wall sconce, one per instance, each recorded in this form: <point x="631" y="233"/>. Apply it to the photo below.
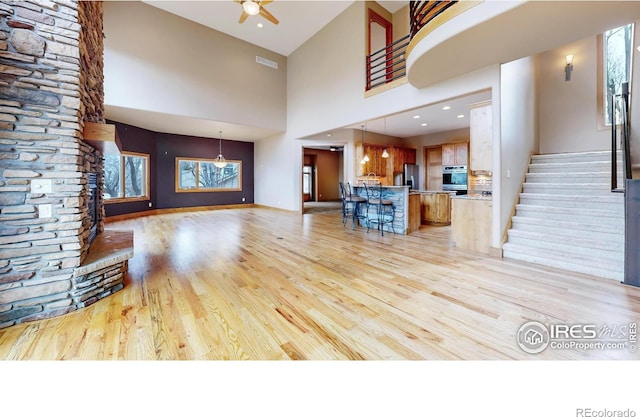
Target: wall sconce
<point x="385" y="154"/>
<point x="568" y="68"/>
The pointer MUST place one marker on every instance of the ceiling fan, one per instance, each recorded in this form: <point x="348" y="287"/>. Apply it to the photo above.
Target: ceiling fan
<point x="252" y="8"/>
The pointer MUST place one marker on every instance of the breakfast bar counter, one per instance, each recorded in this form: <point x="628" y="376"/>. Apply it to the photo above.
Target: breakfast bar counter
<point x="400" y="195"/>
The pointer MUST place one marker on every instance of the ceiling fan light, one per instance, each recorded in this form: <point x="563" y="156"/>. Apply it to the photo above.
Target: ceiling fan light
<point x="251" y="7"/>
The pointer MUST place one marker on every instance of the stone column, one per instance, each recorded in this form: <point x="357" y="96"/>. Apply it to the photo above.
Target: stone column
<point x="50" y="83"/>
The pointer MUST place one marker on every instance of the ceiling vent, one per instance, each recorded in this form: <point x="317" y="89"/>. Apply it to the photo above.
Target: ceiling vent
<point x="266" y="62"/>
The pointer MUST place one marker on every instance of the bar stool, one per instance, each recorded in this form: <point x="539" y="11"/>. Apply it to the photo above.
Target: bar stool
<point x="351" y="205"/>
<point x="384" y="210"/>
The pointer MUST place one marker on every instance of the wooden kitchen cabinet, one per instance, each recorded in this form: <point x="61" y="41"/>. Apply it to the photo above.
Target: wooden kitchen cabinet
<point x="471" y="224"/>
<point x="401" y="156"/>
<point x="481" y="136"/>
<point x="455" y="153"/>
<point x="436" y="208"/>
<point x="414" y="212"/>
<point x="383" y="167"/>
<point x="376" y="165"/>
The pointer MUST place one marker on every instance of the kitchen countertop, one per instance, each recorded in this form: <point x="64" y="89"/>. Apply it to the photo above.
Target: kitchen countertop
<point x="452" y="193"/>
<point x="360" y="185"/>
<point x="473" y="197"/>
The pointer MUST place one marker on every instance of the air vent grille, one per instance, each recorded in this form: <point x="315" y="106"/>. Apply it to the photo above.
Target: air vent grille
<point x="267" y="62"/>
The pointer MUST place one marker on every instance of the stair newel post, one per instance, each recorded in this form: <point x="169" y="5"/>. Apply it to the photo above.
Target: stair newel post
<point x="626" y="131"/>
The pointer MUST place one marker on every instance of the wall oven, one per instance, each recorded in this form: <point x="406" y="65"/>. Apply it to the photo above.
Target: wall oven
<point x="454" y="178"/>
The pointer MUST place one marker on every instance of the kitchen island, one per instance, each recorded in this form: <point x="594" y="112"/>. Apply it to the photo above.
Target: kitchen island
<point x="405" y="213"/>
<point x="471" y="217"/>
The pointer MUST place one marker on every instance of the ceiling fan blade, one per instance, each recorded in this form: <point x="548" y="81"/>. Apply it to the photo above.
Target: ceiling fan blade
<point x="243" y="17"/>
<point x="264" y="2"/>
<point x="264" y="13"/>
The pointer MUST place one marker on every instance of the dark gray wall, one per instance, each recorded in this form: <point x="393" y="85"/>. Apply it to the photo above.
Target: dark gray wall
<point x="170" y="146"/>
<point x="163" y="149"/>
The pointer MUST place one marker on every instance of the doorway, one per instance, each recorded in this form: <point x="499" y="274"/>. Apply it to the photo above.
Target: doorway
<point x="307" y="183"/>
<point x="321" y="172"/>
<point x="380" y="37"/>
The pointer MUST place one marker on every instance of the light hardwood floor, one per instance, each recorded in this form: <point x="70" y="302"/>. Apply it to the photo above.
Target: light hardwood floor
<point x="266" y="284"/>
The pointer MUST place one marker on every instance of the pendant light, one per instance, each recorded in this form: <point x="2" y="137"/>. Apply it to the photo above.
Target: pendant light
<point x="365" y="159"/>
<point x="220" y="162"/>
<point x="385" y="154"/>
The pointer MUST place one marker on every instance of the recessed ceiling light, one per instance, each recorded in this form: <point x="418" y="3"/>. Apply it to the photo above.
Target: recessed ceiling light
<point x="446" y="108"/>
<point x="260" y="25"/>
<point x="416" y="116"/>
<point x="460" y="116"/>
<point x="328" y="134"/>
<point x="423" y="124"/>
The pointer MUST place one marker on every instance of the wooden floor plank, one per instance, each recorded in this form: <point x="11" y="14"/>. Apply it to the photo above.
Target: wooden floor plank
<point x="264" y="284"/>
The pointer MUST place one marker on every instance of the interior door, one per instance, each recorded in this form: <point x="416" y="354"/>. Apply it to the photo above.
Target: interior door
<point x="380" y="36"/>
<point x="433" y="156"/>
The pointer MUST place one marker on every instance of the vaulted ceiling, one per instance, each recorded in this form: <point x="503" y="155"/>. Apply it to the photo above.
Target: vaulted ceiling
<point x="298" y="22"/>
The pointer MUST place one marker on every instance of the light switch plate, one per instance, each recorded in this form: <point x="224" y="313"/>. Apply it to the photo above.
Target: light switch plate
<point x="44" y="211"/>
<point x="41" y="186"/>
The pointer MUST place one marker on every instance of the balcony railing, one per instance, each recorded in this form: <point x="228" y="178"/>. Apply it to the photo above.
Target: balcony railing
<point x="422" y="12"/>
<point x="388" y="63"/>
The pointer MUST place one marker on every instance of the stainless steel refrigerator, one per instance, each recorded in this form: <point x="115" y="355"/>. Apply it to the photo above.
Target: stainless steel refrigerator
<point x="411" y="176"/>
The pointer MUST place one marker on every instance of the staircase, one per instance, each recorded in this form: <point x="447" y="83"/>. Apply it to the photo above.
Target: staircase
<point x="567" y="216"/>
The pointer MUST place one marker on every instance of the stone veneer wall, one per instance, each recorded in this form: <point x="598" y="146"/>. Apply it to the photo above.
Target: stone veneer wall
<point x="397" y="195"/>
<point x="51" y="82"/>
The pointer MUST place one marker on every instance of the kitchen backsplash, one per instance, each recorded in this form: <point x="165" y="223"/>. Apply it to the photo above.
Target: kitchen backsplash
<point x="480" y="183"/>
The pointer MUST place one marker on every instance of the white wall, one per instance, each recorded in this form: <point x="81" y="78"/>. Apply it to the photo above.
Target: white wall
<point x="277" y="179"/>
<point x="159" y="62"/>
<point x="517" y="141"/>
<point x="568" y="109"/>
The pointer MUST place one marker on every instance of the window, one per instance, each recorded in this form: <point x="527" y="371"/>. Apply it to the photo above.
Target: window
<point x="201" y="175"/>
<point x="614" y="67"/>
<point x="126" y="177"/>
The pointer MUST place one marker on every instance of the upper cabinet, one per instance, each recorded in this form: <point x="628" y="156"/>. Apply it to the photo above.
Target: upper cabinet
<point x="481" y="131"/>
<point x="376" y="165"/>
<point x="456" y="153"/>
<point x="383" y="167"/>
<point x="401" y="156"/>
